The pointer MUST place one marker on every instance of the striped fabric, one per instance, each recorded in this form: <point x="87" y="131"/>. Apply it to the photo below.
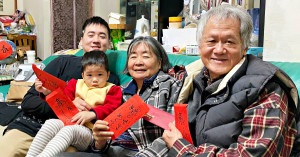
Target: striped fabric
<point x="54" y="138"/>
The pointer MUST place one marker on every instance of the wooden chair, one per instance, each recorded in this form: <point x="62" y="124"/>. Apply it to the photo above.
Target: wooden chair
<point x="24" y="40"/>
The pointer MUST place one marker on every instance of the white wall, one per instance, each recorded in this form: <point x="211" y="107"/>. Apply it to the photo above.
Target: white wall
<point x="281" y="38"/>
<point x="104" y="7"/>
<point x="40" y="11"/>
<point x="282" y="31"/>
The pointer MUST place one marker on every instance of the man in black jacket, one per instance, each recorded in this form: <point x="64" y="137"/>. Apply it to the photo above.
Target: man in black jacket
<point x="35" y="111"/>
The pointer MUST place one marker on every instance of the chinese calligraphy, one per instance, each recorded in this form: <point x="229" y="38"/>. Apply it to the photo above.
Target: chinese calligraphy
<point x="181" y="121"/>
<point x="5" y="49"/>
<point x="49" y="81"/>
<point x="62" y="106"/>
<point x="126" y="115"/>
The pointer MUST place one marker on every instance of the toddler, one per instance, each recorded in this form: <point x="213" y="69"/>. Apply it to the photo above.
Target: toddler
<point x="94" y="97"/>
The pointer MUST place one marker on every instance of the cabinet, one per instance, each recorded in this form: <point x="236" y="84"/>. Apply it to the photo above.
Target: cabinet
<point x="166" y="8"/>
<point x="156" y="11"/>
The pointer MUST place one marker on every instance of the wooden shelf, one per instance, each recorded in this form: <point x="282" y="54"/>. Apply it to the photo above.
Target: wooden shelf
<point x="119" y="26"/>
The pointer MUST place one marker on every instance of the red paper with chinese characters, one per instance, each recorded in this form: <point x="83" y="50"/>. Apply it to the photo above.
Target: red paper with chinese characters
<point x="126" y="115"/>
<point x="159" y="117"/>
<point x="49" y="81"/>
<point x="5" y="50"/>
<point x="62" y="106"/>
<point x="181" y="121"/>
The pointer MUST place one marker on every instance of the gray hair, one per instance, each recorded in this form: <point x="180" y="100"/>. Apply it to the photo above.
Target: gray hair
<point x="154" y="46"/>
<point x="227" y="11"/>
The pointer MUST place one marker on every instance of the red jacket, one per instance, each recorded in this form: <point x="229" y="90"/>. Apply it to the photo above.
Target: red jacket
<point x="112" y="101"/>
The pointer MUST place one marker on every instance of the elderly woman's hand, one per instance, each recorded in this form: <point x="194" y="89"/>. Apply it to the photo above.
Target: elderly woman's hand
<point x="170" y="136"/>
<point x="100" y="133"/>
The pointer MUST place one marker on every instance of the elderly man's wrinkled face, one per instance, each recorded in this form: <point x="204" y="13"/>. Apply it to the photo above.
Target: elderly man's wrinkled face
<point x="221" y="46"/>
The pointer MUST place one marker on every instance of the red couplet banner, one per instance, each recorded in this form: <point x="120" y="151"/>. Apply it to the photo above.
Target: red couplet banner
<point x="181" y="121"/>
<point x="62" y="106"/>
<point x="126" y="115"/>
<point x="49" y="81"/>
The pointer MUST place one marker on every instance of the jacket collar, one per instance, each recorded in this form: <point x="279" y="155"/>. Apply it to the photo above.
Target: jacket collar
<point x="225" y="80"/>
<point x="153" y="82"/>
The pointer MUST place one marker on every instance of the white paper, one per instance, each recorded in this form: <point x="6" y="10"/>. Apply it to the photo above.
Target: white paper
<point x="180" y="37"/>
<point x="27" y="68"/>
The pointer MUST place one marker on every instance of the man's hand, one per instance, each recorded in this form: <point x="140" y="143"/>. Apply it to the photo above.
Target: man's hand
<point x="100" y="133"/>
<point x="83" y="117"/>
<point x="170" y="136"/>
<point x="39" y="87"/>
<point x="81" y="105"/>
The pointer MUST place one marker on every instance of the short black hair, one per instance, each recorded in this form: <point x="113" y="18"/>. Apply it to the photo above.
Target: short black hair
<point x="95" y="57"/>
<point x="96" y="20"/>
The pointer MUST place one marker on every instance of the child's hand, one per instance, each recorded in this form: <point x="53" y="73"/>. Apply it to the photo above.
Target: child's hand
<point x="83" y="117"/>
<point x="39" y="87"/>
<point x="81" y="105"/>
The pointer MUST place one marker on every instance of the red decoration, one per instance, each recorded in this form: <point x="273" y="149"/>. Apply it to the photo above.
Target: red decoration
<point x="5" y="50"/>
<point x="159" y="117"/>
<point x="181" y="121"/>
<point x="49" y="81"/>
<point x="126" y="115"/>
<point x="62" y="106"/>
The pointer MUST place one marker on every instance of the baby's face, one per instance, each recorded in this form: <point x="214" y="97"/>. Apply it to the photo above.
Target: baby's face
<point x="95" y="76"/>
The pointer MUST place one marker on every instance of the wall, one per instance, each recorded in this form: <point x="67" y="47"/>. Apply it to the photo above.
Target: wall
<point x="40" y="11"/>
<point x="104" y="7"/>
<point x="281" y="34"/>
<point x="281" y="38"/>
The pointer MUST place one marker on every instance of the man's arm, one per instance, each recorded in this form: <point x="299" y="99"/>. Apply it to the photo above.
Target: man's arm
<point x="268" y="130"/>
<point x="32" y="102"/>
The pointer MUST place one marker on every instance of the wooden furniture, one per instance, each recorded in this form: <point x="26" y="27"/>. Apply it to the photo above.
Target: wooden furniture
<point x="24" y="40"/>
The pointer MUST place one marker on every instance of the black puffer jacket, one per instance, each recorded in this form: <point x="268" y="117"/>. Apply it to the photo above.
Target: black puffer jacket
<point x="217" y="118"/>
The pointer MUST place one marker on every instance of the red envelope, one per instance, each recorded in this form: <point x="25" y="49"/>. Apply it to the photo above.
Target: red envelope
<point x="49" y="81"/>
<point x="62" y="106"/>
<point x="126" y="115"/>
<point x="159" y="117"/>
<point x="181" y="121"/>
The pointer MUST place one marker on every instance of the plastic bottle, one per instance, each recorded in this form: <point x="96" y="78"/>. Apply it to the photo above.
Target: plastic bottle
<point x="142" y="27"/>
<point x="175" y="22"/>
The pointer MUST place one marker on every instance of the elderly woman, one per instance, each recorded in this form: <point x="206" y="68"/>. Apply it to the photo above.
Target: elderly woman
<point x="147" y="64"/>
<point x="240" y="105"/>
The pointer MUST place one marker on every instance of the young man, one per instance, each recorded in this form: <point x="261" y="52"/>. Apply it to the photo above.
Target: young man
<point x="35" y="111"/>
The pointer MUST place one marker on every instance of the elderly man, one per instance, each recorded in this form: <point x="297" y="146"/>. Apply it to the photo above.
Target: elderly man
<point x="20" y="133"/>
<point x="239" y="104"/>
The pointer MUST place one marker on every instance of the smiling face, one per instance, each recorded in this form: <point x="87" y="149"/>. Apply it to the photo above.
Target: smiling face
<point x="142" y="63"/>
<point x="95" y="37"/>
<point x="95" y="76"/>
<point x="221" y="46"/>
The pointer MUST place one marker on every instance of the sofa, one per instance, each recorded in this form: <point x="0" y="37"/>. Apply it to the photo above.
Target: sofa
<point x="117" y="60"/>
